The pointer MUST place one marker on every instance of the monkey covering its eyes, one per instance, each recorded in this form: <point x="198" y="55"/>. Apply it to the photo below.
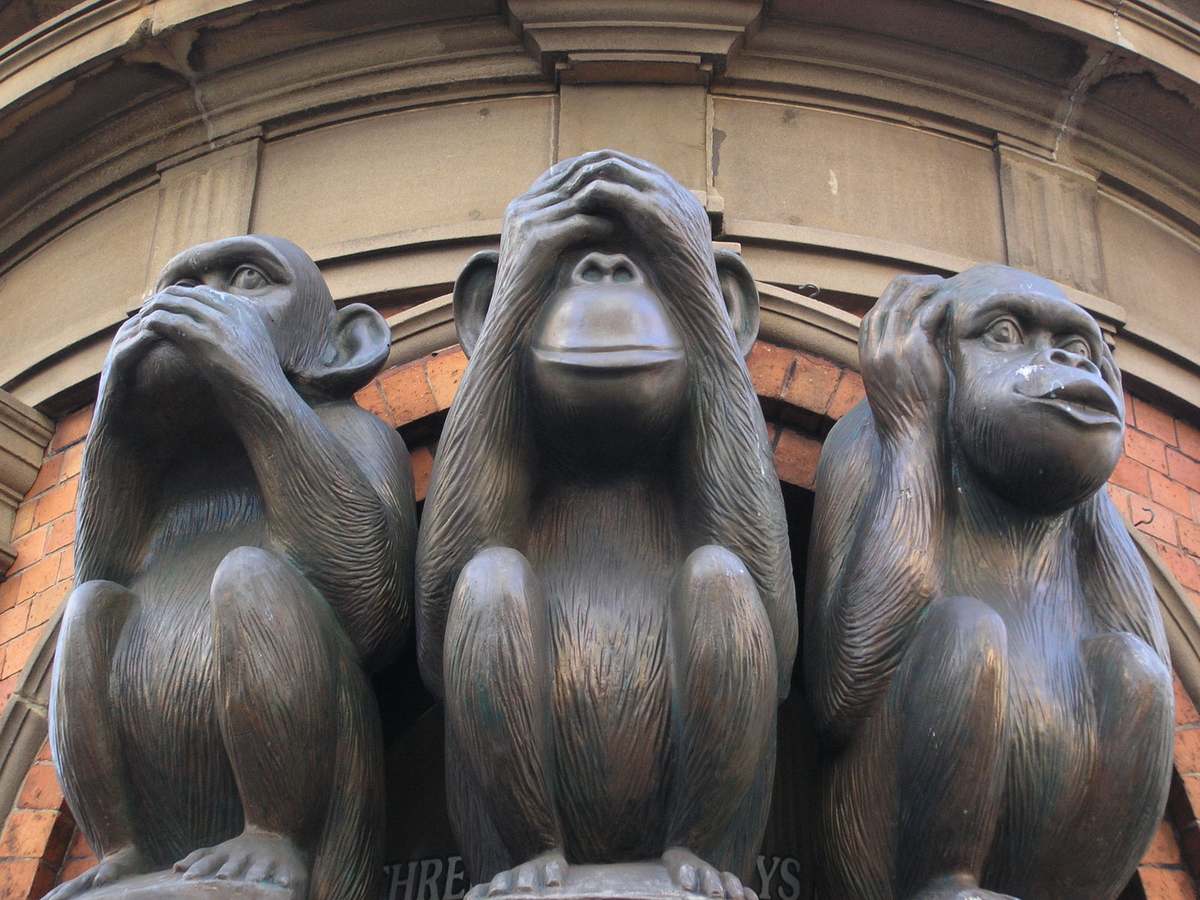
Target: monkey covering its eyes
<point x="244" y="559"/>
<point x="605" y="597"/>
<point x="984" y="653"/>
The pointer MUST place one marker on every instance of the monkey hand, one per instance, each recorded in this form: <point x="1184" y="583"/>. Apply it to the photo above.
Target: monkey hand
<point x="587" y="199"/>
<point x="639" y="195"/>
<point x="129" y="347"/>
<point x="903" y="371"/>
<point x="543" y="222"/>
<point x="223" y="335"/>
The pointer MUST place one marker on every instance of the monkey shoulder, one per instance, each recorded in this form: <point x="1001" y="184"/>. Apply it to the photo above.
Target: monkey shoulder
<point x="373" y="444"/>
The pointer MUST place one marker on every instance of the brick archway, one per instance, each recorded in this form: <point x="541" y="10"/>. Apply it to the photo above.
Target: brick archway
<point x="802" y="395"/>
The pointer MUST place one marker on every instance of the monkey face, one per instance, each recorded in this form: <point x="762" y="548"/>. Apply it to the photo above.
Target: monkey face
<point x="1036" y="408"/>
<point x="607" y="360"/>
<point x="282" y="284"/>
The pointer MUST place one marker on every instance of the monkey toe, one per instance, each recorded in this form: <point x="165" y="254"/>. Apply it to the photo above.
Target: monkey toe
<point x="710" y="884"/>
<point x="546" y="870"/>
<point x="206" y="865"/>
<point x="234" y="867"/>
<point x="74" y="887"/>
<point x="116" y="866"/>
<point x="733" y="886"/>
<point x="501" y="884"/>
<point x="249" y="857"/>
<point x="260" y="870"/>
<point x="695" y="876"/>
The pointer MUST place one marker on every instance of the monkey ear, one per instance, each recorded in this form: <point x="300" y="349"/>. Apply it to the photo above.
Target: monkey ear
<point x="741" y="297"/>
<point x="473" y="295"/>
<point x="359" y="342"/>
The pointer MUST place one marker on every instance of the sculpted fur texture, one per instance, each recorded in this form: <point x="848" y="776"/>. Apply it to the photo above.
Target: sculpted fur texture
<point x="984" y="654"/>
<point x="244" y="559"/>
<point x="605" y="597"/>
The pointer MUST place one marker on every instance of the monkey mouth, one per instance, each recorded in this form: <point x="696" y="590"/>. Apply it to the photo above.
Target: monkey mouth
<point x="610" y="360"/>
<point x="1083" y="400"/>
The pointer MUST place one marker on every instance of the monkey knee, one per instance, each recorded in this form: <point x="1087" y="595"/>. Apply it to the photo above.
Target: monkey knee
<point x="719" y="618"/>
<point x="256" y="595"/>
<point x="960" y="651"/>
<point x="93" y="617"/>
<point x="97" y="599"/>
<point x="241" y="568"/>
<point x="963" y="628"/>
<point x="1124" y="666"/>
<point x="713" y="579"/>
<point x="493" y="590"/>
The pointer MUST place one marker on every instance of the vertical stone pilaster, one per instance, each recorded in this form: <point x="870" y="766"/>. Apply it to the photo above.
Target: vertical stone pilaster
<point x="203" y="198"/>
<point x="24" y="435"/>
<point x="1050" y="222"/>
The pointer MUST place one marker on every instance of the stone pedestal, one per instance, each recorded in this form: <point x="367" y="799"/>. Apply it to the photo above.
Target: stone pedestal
<point x="172" y="886"/>
<point x="620" y="881"/>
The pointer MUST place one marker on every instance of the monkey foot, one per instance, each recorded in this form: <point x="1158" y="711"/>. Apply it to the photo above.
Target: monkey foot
<point x="956" y="890"/>
<point x="255" y="857"/>
<point x="694" y="875"/>
<point x="548" y="870"/>
<point x="128" y="861"/>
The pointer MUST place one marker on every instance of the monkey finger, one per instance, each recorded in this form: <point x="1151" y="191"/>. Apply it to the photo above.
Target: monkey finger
<point x="476" y="893"/>
<point x="553" y="177"/>
<point x="614" y="170"/>
<point x="631" y="160"/>
<point x="912" y="299"/>
<point x="934" y="313"/>
<point x="523" y="207"/>
<point x="749" y="894"/>
<point x="172" y="326"/>
<point x="1107" y="365"/>
<point x="190" y="307"/>
<point x="611" y="195"/>
<point x="201" y="293"/>
<point x="560" y="231"/>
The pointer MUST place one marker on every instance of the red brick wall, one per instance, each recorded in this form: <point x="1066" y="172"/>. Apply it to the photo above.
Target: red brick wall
<point x="1156" y="485"/>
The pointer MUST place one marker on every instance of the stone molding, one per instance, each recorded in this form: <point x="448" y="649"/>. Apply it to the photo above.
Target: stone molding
<point x="24" y="436"/>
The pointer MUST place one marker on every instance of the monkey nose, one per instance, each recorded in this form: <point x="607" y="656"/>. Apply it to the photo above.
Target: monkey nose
<point x="598" y="267"/>
<point x="1061" y="357"/>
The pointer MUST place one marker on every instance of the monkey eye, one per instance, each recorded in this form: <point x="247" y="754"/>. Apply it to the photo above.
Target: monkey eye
<point x="622" y="274"/>
<point x="248" y="278"/>
<point x="1078" y="346"/>
<point x="185" y="283"/>
<point x="592" y="273"/>
<point x="1004" y="331"/>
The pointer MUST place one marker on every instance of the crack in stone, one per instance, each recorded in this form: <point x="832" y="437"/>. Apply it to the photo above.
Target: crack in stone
<point x="1084" y="80"/>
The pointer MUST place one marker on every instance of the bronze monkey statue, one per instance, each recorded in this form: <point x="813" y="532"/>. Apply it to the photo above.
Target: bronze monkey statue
<point x="245" y="542"/>
<point x="605" y="596"/>
<point x="984" y="653"/>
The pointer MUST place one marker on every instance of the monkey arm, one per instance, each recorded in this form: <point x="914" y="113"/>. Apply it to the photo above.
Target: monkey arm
<point x="886" y="549"/>
<point x="1114" y="579"/>
<point x="115" y="500"/>
<point x="893" y="549"/>
<point x="337" y="486"/>
<point x="118" y="483"/>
